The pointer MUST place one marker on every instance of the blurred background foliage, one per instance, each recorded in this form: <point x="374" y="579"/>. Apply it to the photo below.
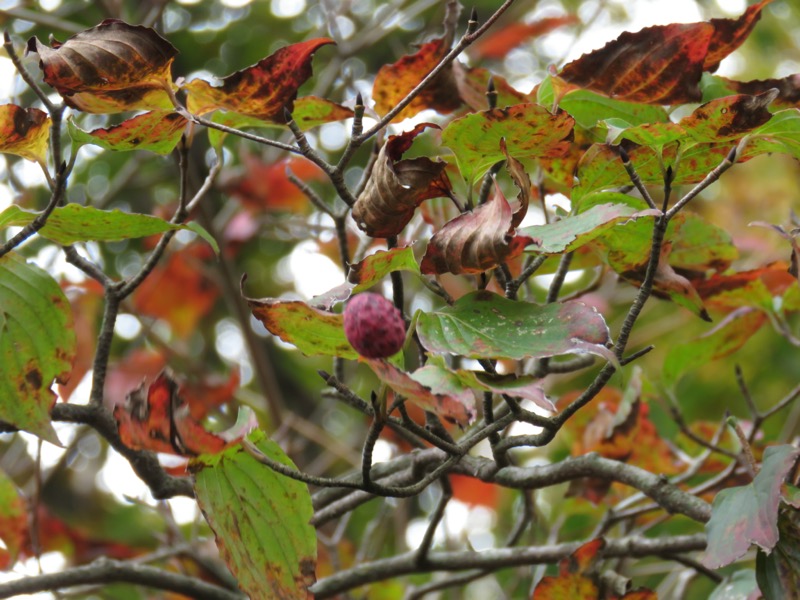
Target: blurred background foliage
<point x="194" y="319"/>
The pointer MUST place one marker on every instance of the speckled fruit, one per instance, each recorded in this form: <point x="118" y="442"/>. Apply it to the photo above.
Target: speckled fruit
<point x="373" y="326"/>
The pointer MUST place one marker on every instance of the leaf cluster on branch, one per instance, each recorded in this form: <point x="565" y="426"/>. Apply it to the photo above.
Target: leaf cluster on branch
<point x="525" y="240"/>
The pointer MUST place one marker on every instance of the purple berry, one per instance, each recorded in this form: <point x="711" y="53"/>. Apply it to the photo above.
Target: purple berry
<point x="373" y="326"/>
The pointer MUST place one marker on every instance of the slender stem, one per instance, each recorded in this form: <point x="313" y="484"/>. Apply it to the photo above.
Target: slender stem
<point x="634" y="176"/>
<point x="715" y="174"/>
<point x="436" y="518"/>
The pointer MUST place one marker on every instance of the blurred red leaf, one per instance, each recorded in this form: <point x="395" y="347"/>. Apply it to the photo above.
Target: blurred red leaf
<point x="112" y="67"/>
<point x="501" y="41"/>
<point x="394" y="82"/>
<point x="202" y="397"/>
<point x="470" y="490"/>
<point x="158" y="419"/>
<point x="262" y="90"/>
<point x="730" y="291"/>
<point x="473" y="84"/>
<point x="86" y="300"/>
<point x="266" y="186"/>
<point x="662" y="64"/>
<point x="397" y="186"/>
<point x="130" y="371"/>
<point x="574" y="580"/>
<point x="178" y="291"/>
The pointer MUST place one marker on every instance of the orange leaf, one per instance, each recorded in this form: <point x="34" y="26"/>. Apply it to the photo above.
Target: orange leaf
<point x="501" y="41"/>
<point x="262" y="90"/>
<point x="159" y="420"/>
<point x="576" y="579"/>
<point x="113" y="67"/>
<point x="178" y="291"/>
<point x="394" y="82"/>
<point x="470" y="490"/>
<point x="24" y="132"/>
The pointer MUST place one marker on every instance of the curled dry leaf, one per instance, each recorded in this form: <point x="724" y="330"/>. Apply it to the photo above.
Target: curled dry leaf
<point x="262" y="90"/>
<point x="481" y="239"/>
<point x="24" y="132"/>
<point x="112" y="67"/>
<point x="397" y="186"/>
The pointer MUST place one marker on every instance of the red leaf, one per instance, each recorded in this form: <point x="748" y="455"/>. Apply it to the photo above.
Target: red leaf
<point x="501" y="41"/>
<point x="178" y="291"/>
<point x="470" y="490"/>
<point x="202" y="397"/>
<point x="730" y="33"/>
<point x="112" y="67"/>
<point x="662" y="64"/>
<point x="159" y="420"/>
<point x="397" y="186"/>
<point x="262" y="90"/>
<point x="393" y="82"/>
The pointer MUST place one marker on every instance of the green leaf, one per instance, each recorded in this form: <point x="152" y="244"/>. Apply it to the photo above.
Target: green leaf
<point x="588" y="108"/>
<point x="724" y="339"/>
<point x="574" y="231"/>
<point x="486" y="325"/>
<point x="260" y="519"/>
<point x="37" y="345"/>
<point x="76" y="223"/>
<point x="529" y="130"/>
<point x="748" y="514"/>
<point x="156" y="131"/>
<point x="780" y="134"/>
<point x="314" y="332"/>
<point x="738" y="586"/>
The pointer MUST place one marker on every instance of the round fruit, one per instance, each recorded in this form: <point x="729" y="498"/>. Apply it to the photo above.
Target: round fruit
<point x="373" y="326"/>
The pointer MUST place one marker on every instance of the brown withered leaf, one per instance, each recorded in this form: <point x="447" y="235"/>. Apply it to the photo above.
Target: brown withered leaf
<point x="397" y="186"/>
<point x="262" y="90"/>
<point x="24" y="132"/>
<point x="394" y="82"/>
<point x="112" y="67"/>
<point x="730" y="33"/>
<point x="661" y="64"/>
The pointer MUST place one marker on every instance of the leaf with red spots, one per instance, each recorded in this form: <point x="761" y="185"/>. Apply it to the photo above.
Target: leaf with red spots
<point x="394" y="82"/>
<point x="433" y="388"/>
<point x="178" y="290"/>
<point x="260" y="519"/>
<point x="266" y="186"/>
<point x="314" y="332"/>
<point x="24" y="132"/>
<point x="158" y="419"/>
<point x="529" y="130"/>
<point x="397" y="186"/>
<point x="262" y="90"/>
<point x="37" y="345"/>
<point x="13" y="522"/>
<point x="487" y="325"/>
<point x="748" y="515"/>
<point x="157" y="131"/>
<point x="113" y="67"/>
<point x="501" y="41"/>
